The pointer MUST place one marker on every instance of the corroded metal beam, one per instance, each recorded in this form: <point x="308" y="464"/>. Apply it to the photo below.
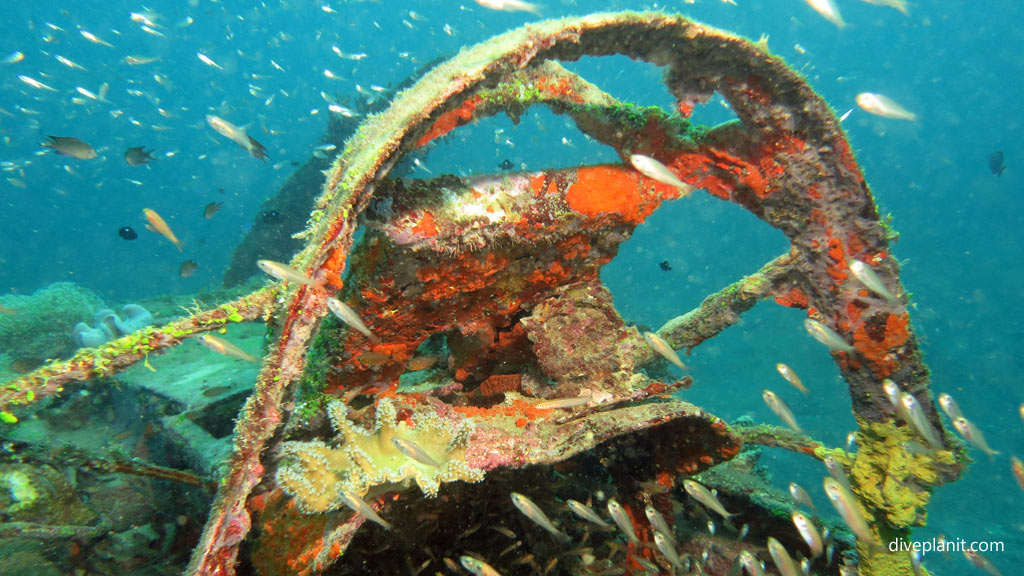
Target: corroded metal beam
<point x="122" y="353"/>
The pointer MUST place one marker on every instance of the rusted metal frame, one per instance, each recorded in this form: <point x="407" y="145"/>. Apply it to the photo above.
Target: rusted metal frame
<point x="68" y="455"/>
<point x="119" y="355"/>
<point x="137" y="468"/>
<point x="371" y="153"/>
<point x="723" y="308"/>
<point x="815" y="194"/>
<point x="367" y="158"/>
<point x="50" y="532"/>
<point x="784" y="438"/>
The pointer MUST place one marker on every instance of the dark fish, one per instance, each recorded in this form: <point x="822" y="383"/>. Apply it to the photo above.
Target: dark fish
<point x="68" y="146"/>
<point x="188" y="267"/>
<point x="270" y="216"/>
<point x="506" y="165"/>
<point x="665" y="265"/>
<point x="995" y="163"/>
<point x="137" y="155"/>
<point x="127" y="233"/>
<point x="211" y="209"/>
<point x="216" y="391"/>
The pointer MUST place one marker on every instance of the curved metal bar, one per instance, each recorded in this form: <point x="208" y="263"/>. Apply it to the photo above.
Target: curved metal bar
<point x="786" y="161"/>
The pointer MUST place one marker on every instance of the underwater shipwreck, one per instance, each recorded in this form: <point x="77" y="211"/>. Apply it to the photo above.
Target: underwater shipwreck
<point x="497" y="358"/>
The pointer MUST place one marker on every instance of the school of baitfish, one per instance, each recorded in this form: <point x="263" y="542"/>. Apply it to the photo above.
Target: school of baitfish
<point x="836" y="484"/>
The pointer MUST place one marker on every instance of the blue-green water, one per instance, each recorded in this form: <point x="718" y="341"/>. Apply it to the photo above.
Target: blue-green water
<point x="958" y="65"/>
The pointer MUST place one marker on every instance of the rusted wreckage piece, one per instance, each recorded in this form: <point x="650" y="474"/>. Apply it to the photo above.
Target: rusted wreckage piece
<point x="786" y="161"/>
<point x="122" y="353"/>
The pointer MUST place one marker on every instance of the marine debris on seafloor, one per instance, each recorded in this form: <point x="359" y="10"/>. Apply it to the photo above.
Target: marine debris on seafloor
<point x="499" y="275"/>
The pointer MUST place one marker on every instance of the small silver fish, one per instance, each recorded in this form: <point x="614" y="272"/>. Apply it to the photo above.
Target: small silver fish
<point x="915" y="561"/>
<point x="750" y="563"/>
<point x="744" y="530"/>
<point x="800" y="496"/>
<point x="790" y="375"/>
<point x="916" y="448"/>
<point x="950" y="407"/>
<point x="882" y="105"/>
<point x="920" y="422"/>
<point x="238" y="136"/>
<point x="781" y="409"/>
<point x="900" y="5"/>
<point x="349" y="317"/>
<point x="828" y="10"/>
<point x="534" y="513"/>
<point x="705" y="497"/>
<point x="666" y="547"/>
<point x="711" y="527"/>
<point x="782" y="559"/>
<point x="851" y="439"/>
<point x="846" y="505"/>
<point x="893" y="392"/>
<point x="284" y="272"/>
<point x="414" y="452"/>
<point x="972" y="434"/>
<point x="222" y="346"/>
<point x="658" y="521"/>
<point x="664" y="349"/>
<point x="622" y="520"/>
<point x="981" y="562"/>
<point x="564" y="403"/>
<point x="357" y="505"/>
<point x="866" y="276"/>
<point x="657" y="171"/>
<point x="510" y="5"/>
<point x="809" y="533"/>
<point x="478" y="567"/>
<point x="587" y="513"/>
<point x="836" y="471"/>
<point x="827" y="336"/>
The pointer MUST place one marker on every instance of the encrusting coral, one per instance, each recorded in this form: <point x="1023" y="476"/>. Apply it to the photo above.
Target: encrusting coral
<point x="366" y="461"/>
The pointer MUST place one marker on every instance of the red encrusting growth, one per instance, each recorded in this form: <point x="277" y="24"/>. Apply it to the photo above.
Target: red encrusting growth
<point x="290" y="546"/>
<point x="837" y="267"/>
<point x="517" y="409"/>
<point x="560" y="88"/>
<point x="451" y="120"/>
<point x="879" y="339"/>
<point x="795" y="298"/>
<point x="616" y="190"/>
<point x="426" y="226"/>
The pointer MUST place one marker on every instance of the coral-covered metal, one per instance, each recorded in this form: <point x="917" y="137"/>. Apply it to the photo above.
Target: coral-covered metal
<point x="488" y="259"/>
<point x="497" y="354"/>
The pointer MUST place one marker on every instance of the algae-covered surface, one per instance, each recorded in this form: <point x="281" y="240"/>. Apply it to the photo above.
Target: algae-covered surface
<point x="491" y="231"/>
